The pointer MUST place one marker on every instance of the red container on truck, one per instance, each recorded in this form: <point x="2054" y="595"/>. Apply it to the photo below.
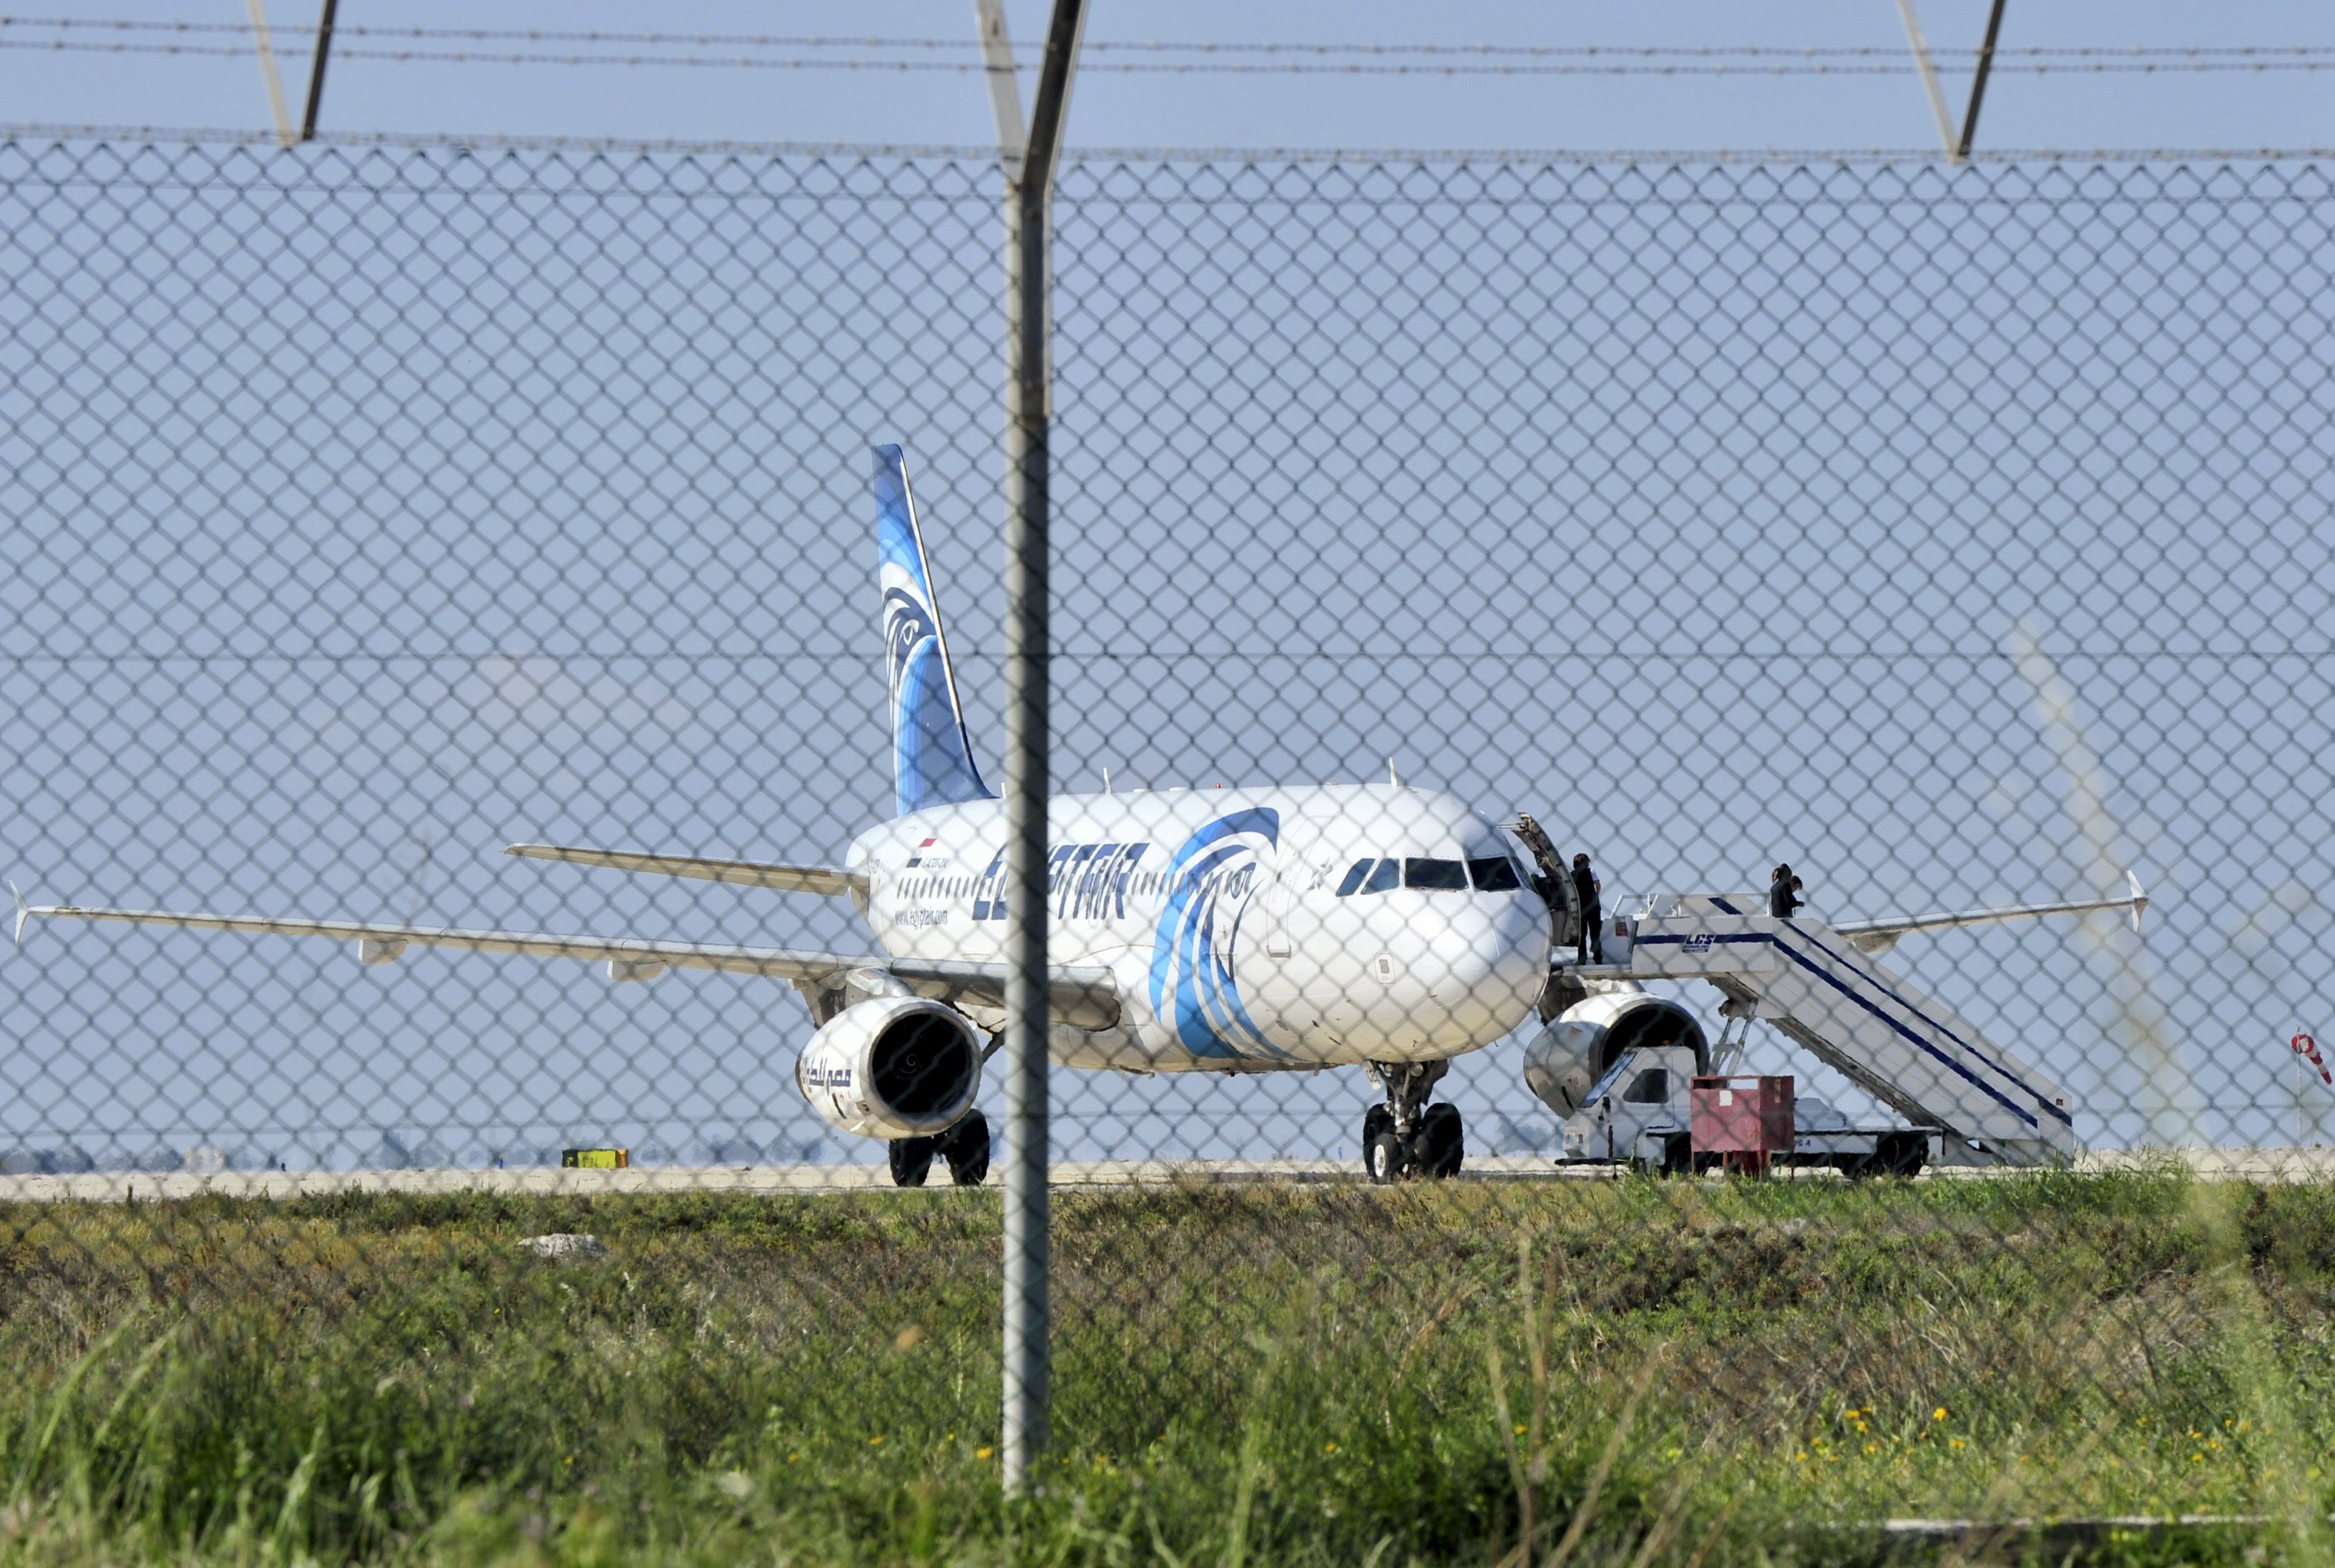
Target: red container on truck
<point x="1744" y="1120"/>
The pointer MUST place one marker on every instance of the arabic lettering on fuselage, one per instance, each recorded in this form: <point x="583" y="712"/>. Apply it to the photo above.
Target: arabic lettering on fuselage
<point x="1083" y="881"/>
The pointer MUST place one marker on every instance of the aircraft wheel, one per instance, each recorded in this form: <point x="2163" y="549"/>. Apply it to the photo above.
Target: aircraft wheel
<point x="965" y="1147"/>
<point x="1376" y="1121"/>
<point x="1442" y="1141"/>
<point x="911" y="1159"/>
<point x="1384" y="1158"/>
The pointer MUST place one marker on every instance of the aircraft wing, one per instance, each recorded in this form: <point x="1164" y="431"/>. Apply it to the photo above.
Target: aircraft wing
<point x="1881" y="935"/>
<point x="1085" y="997"/>
<point x="833" y="881"/>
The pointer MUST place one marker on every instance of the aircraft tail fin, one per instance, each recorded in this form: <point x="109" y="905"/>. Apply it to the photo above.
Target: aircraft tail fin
<point x="931" y="753"/>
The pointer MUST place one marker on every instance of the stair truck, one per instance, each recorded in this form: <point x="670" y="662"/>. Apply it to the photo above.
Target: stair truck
<point x="1640" y="1115"/>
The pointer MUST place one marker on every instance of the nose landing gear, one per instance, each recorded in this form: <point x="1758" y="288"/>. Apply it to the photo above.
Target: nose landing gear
<point x="1406" y="1137"/>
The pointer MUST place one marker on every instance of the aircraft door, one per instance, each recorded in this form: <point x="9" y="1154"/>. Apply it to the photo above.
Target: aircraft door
<point x="1280" y="957"/>
<point x="1279" y="913"/>
<point x="1246" y="922"/>
<point x="1280" y="893"/>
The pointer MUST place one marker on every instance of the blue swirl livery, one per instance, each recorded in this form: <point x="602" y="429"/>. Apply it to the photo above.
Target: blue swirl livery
<point x="932" y="755"/>
<point x="1209" y="881"/>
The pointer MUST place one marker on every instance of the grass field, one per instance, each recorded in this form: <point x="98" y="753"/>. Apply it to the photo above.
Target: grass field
<point x="1636" y="1373"/>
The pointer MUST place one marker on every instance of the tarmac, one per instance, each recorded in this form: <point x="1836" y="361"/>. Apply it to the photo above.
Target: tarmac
<point x="2252" y="1164"/>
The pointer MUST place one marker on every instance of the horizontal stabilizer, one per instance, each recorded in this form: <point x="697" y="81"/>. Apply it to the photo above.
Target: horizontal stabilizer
<point x="833" y="881"/>
<point x="1881" y="935"/>
<point x="1082" y="997"/>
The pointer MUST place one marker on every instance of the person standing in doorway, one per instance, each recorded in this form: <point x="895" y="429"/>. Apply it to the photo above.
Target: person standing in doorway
<point x="1783" y="894"/>
<point x="1587" y="887"/>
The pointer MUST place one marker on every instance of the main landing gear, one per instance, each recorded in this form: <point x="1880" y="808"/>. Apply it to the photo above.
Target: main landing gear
<point x="966" y="1147"/>
<point x="1406" y="1137"/>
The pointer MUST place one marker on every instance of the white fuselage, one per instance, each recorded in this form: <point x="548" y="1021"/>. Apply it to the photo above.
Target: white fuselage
<point x="1240" y="937"/>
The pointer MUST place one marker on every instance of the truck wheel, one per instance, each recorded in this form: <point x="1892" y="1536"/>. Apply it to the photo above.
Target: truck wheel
<point x="1678" y="1155"/>
<point x="1905" y="1155"/>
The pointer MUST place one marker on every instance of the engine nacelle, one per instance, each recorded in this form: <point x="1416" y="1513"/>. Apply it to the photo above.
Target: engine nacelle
<point x="1565" y="1060"/>
<point x="891" y="1067"/>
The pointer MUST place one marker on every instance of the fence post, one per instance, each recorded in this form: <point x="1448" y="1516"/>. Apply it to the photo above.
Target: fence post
<point x="1028" y="192"/>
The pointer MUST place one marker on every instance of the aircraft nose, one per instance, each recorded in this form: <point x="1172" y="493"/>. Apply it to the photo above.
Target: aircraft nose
<point x="1519" y="956"/>
<point x="1504" y="966"/>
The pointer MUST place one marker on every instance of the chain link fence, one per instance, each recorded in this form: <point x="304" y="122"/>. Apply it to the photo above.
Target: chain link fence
<point x="1957" y="540"/>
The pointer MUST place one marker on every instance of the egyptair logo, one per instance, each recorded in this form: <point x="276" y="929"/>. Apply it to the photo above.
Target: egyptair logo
<point x="1210" y="879"/>
<point x="906" y="624"/>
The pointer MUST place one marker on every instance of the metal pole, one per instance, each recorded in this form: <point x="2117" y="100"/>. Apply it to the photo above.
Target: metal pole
<point x="1922" y="62"/>
<point x="1978" y="82"/>
<point x="275" y="85"/>
<point x="317" y="71"/>
<point x="1028" y="1314"/>
<point x="1004" y="94"/>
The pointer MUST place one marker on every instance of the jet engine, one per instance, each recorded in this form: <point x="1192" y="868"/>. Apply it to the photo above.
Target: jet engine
<point x="891" y="1067"/>
<point x="1572" y="1051"/>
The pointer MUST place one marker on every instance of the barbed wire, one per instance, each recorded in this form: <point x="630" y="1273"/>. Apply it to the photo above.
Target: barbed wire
<point x="1330" y="58"/>
<point x="1532" y="50"/>
<point x="458" y="141"/>
<point x="1687" y="67"/>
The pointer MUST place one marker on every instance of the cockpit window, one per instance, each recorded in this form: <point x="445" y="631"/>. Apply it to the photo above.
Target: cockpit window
<point x="1494" y="874"/>
<point x="1445" y="876"/>
<point x="1388" y="873"/>
<point x="1354" y="875"/>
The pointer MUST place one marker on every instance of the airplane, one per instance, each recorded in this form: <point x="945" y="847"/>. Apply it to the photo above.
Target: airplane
<point x="1246" y="930"/>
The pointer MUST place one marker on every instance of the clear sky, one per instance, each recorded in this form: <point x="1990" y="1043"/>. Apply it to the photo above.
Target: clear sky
<point x="2243" y="109"/>
<point x="1941" y="408"/>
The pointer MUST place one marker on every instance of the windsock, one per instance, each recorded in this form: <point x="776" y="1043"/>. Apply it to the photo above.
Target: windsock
<point x="2304" y="1046"/>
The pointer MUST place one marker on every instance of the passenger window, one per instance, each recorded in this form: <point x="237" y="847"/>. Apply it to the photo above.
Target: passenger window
<point x="1443" y="876"/>
<point x="1650" y="1087"/>
<point x="1384" y="878"/>
<point x="1494" y="874"/>
<point x="1361" y="868"/>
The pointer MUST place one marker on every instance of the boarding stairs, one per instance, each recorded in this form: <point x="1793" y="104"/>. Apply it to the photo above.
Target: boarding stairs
<point x="1850" y="1012"/>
